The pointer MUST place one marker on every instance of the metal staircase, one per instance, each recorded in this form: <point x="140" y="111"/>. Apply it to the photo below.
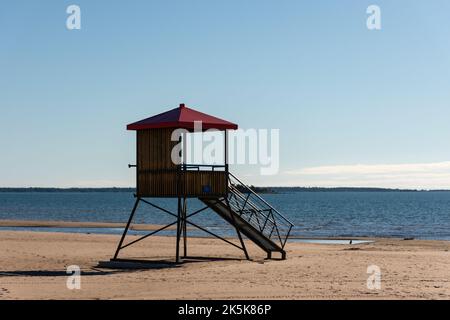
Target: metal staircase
<point x="252" y="216"/>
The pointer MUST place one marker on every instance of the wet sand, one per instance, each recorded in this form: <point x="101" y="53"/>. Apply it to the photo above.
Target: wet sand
<point x="78" y="224"/>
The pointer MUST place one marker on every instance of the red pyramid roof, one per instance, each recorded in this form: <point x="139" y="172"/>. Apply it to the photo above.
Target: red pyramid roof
<point x="182" y="117"/>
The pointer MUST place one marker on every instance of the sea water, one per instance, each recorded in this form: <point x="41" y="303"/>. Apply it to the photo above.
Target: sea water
<point x="423" y="215"/>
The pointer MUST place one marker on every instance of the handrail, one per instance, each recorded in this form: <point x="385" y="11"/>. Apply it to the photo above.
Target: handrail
<point x="259" y="197"/>
<point x="254" y="206"/>
<point x="203" y="165"/>
<point x="241" y="195"/>
<point x="257" y="206"/>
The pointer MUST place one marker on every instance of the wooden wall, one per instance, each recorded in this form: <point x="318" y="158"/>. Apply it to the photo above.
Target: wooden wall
<point x="157" y="175"/>
<point x="204" y="183"/>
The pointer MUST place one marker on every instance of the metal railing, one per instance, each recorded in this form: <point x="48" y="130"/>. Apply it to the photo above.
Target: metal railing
<point x="258" y="212"/>
<point x="203" y="167"/>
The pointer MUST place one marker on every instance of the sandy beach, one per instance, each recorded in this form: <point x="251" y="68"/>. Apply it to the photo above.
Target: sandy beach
<point x="33" y="266"/>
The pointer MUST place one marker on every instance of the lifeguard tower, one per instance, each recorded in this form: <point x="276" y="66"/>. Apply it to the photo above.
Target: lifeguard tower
<point x="162" y="172"/>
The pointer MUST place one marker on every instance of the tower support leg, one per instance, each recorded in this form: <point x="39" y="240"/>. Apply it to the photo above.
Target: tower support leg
<point x="184" y="228"/>
<point x="127" y="227"/>
<point x="177" y="253"/>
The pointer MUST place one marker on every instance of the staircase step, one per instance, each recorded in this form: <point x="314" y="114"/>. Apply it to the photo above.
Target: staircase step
<point x="244" y="226"/>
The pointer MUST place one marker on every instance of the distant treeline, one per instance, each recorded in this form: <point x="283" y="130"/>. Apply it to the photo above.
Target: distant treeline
<point x="344" y="189"/>
<point x="254" y="188"/>
<point x="320" y="189"/>
<point x="32" y="189"/>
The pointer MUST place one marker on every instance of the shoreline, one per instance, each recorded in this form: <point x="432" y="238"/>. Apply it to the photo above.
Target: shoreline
<point x="10" y="223"/>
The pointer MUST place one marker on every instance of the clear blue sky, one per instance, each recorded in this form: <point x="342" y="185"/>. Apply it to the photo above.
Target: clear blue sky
<point x="354" y="107"/>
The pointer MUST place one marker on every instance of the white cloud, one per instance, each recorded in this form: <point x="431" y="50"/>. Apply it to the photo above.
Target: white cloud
<point x="375" y="168"/>
<point x="409" y="175"/>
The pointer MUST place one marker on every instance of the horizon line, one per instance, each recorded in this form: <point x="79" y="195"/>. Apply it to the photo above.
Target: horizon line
<point x="3" y="189"/>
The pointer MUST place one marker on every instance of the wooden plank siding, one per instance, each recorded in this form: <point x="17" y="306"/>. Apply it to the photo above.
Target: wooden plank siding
<point x="157" y="175"/>
<point x="155" y="169"/>
<point x="204" y="183"/>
